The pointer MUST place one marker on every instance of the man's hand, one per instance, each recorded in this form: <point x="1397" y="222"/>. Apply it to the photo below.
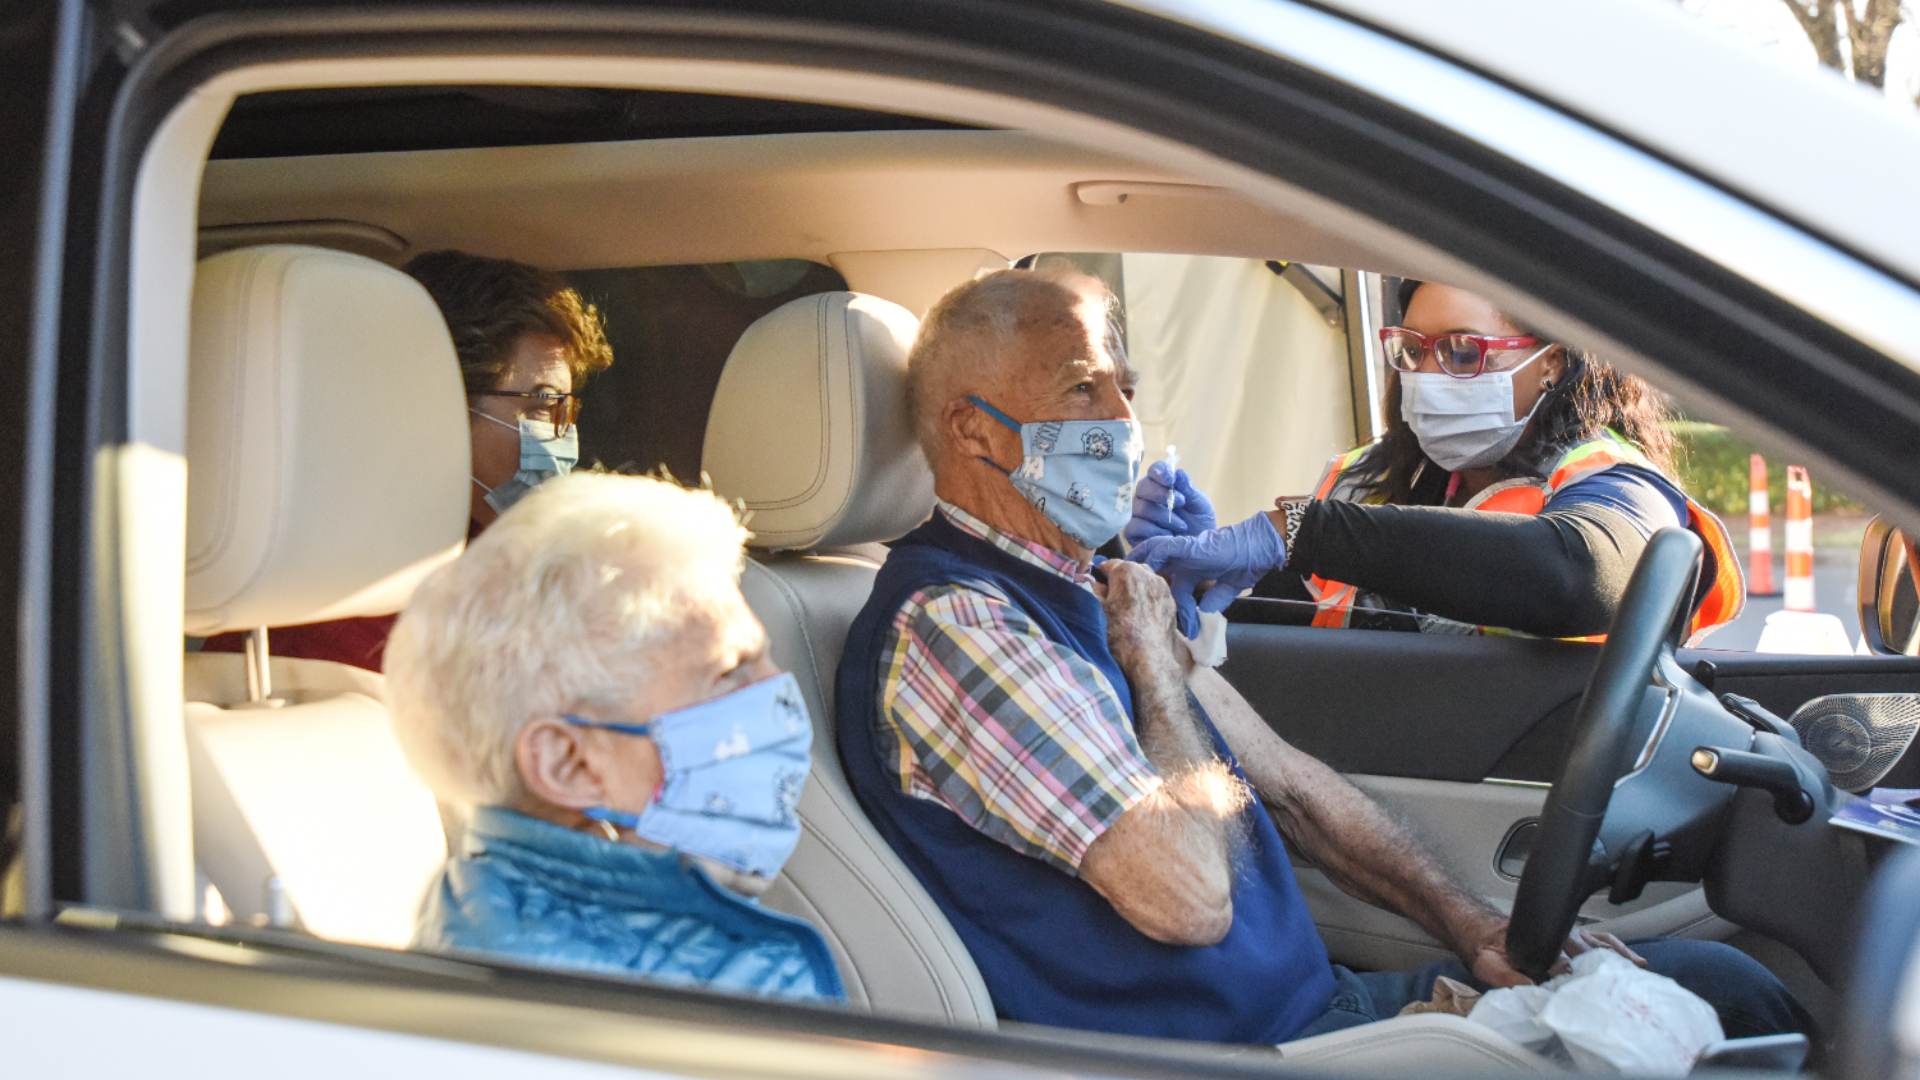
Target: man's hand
<point x="1140" y="617"/>
<point x="1166" y="865"/>
<point x="1484" y="951"/>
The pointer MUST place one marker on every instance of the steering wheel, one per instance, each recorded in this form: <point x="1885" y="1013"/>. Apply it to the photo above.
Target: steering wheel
<point x="1565" y="866"/>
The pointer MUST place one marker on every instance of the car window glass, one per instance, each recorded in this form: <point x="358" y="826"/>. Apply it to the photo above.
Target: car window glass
<point x="1240" y="370"/>
<point x="1795" y="604"/>
<point x="1237" y="369"/>
<point x="672" y="328"/>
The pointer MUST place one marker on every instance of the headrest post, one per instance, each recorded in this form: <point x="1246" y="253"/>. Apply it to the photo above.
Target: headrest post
<point x="260" y="672"/>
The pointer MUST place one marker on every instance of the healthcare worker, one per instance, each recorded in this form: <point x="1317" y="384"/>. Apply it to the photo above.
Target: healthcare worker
<point x="1516" y="485"/>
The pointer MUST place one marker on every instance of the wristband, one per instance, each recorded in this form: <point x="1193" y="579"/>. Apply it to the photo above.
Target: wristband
<point x="1296" y="511"/>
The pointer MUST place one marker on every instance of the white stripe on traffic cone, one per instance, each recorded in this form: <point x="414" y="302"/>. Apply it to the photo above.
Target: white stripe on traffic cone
<point x="1760" y="538"/>
<point x="1799" y="540"/>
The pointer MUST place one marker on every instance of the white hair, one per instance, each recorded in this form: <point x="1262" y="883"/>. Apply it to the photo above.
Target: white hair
<point x="968" y="332"/>
<point x="558" y="606"/>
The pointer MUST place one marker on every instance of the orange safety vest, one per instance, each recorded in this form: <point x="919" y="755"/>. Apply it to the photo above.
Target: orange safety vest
<point x="1525" y="495"/>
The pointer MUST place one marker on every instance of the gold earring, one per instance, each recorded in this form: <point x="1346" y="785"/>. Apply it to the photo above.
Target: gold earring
<point x="611" y="833"/>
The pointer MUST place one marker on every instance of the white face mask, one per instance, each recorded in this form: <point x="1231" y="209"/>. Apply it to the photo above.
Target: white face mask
<point x="1465" y="423"/>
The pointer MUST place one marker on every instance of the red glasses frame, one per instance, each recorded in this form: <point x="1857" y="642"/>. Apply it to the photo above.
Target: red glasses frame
<point x="1479" y="344"/>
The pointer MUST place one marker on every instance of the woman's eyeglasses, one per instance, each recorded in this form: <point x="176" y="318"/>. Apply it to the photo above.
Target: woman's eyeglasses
<point x="1460" y="355"/>
<point x="558" y="409"/>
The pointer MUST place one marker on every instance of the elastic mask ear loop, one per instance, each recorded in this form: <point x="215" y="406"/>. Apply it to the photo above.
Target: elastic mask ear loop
<point x="515" y="428"/>
<point x="1537" y="402"/>
<point x="1008" y="421"/>
<point x="1517" y="368"/>
<point x="608" y="819"/>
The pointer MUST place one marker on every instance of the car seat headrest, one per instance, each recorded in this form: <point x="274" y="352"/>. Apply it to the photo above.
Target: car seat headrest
<point x="809" y="425"/>
<point x="327" y="443"/>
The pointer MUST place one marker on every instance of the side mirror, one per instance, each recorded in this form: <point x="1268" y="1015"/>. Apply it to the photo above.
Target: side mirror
<point x="1889" y="590"/>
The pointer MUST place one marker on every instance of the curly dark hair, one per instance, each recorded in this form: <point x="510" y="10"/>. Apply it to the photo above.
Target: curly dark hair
<point x="490" y="304"/>
<point x="1590" y="396"/>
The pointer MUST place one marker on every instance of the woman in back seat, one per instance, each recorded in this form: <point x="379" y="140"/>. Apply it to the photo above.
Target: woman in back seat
<point x="589" y="678"/>
<point x="526" y="342"/>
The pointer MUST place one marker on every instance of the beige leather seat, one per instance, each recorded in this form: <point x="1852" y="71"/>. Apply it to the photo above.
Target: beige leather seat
<point x="809" y="430"/>
<point x="327" y="473"/>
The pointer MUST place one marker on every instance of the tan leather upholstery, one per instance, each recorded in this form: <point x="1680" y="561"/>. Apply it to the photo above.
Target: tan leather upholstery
<point x="810" y="429"/>
<point x="318" y="794"/>
<point x="895" y="949"/>
<point x="327" y="473"/>
<point x="1426" y="1044"/>
<point x="327" y="439"/>
<point x="807" y="426"/>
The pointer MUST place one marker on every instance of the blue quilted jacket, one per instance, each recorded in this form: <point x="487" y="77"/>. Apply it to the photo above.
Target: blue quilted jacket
<point x="533" y="892"/>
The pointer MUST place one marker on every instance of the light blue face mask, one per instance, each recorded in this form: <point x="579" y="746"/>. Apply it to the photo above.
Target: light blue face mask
<point x="734" y="767"/>
<point x="543" y="456"/>
<point x="1079" y="473"/>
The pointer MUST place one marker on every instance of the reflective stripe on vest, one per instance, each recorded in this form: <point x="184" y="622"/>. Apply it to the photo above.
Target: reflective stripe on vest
<point x="1335" y="599"/>
<point x="1724" y="599"/>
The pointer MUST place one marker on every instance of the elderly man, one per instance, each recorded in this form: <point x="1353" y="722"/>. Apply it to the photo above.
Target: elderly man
<point x="588" y="676"/>
<point x="1037" y="745"/>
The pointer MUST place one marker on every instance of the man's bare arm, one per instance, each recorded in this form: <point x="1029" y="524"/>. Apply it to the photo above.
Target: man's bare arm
<point x="1166" y="864"/>
<point x="1353" y="839"/>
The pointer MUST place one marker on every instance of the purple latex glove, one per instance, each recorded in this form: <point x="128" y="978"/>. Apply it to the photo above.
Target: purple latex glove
<point x="1232" y="558"/>
<point x="1165" y="503"/>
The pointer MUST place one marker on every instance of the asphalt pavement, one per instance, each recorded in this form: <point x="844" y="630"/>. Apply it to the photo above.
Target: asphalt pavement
<point x="1836" y="587"/>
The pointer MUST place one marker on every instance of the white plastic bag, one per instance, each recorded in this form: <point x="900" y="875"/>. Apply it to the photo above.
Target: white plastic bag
<point x="1611" y="1014"/>
<point x="1514" y="1011"/>
<point x="1606" y="1015"/>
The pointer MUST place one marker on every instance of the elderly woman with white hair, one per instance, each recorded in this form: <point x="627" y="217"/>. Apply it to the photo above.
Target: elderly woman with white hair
<point x="588" y="677"/>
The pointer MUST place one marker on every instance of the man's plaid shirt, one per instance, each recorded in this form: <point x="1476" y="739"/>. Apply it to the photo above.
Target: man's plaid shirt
<point x="987" y="716"/>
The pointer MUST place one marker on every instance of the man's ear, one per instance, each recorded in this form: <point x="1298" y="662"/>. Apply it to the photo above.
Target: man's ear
<point x="966" y="427"/>
<point x="552" y="757"/>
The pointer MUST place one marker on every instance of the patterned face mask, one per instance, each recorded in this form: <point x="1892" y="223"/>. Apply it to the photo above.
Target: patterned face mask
<point x="1079" y="473"/>
<point x="543" y="456"/>
<point x="734" y="768"/>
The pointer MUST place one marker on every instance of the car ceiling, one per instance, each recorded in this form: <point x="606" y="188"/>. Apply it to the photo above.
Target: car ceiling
<point x="591" y="179"/>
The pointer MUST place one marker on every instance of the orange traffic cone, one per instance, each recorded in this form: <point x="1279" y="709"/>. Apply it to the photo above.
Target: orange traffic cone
<point x="1799" y="540"/>
<point x="1760" y="518"/>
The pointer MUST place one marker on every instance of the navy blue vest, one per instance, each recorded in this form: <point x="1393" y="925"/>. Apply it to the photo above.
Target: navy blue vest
<point x="1052" y="950"/>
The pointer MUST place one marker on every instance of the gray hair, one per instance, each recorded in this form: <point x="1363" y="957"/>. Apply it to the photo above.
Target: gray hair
<point x="967" y="334"/>
<point x="557" y="607"/>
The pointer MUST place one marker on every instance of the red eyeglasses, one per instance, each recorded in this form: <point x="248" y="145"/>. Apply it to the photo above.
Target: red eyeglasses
<point x="1460" y="355"/>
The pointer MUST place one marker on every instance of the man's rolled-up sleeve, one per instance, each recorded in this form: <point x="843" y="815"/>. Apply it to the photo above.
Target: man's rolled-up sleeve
<point x="1021" y="737"/>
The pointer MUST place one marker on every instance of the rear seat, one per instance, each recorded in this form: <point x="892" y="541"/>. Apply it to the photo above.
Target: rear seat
<point x="327" y="473"/>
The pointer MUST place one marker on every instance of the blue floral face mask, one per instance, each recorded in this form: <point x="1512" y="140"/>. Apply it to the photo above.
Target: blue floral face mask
<point x="544" y="454"/>
<point x="734" y="768"/>
<point x="1079" y="473"/>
